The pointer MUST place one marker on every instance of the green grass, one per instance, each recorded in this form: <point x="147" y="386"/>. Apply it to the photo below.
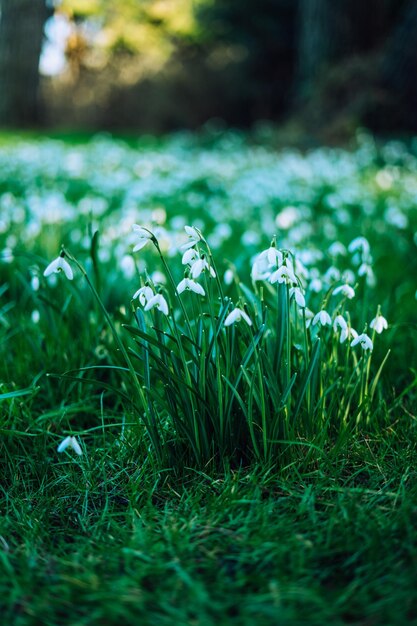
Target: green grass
<point x="278" y="485"/>
<point x="106" y="541"/>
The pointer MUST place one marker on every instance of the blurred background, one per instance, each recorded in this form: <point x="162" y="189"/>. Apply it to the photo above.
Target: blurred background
<point x="318" y="68"/>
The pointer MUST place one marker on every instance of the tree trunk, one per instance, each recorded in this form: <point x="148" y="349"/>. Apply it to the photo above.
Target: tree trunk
<point x="399" y="69"/>
<point x="21" y="35"/>
<point x="324" y="36"/>
<point x="330" y="30"/>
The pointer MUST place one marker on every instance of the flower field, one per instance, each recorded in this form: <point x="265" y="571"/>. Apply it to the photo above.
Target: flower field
<point x="198" y="333"/>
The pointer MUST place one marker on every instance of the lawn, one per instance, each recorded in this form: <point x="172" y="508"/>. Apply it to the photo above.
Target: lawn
<point x="207" y="381"/>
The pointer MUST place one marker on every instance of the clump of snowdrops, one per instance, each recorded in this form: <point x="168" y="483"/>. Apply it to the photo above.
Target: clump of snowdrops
<point x="221" y="369"/>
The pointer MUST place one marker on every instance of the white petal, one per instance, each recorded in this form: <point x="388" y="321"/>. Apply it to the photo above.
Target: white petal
<point x="75" y="446"/>
<point x="232" y="317"/>
<point x="141" y="244"/>
<point x="64" y="444"/>
<point x="193" y="286"/>
<point x="198" y="267"/>
<point x="182" y="286"/>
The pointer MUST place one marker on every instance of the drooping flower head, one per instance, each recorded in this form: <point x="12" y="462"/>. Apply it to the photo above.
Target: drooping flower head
<point x="72" y="443"/>
<point x="236" y="316"/>
<point x="59" y="265"/>
<point x="379" y="323"/>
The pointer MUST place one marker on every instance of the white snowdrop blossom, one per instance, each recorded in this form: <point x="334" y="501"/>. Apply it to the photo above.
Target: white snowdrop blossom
<point x="332" y="274"/>
<point x="360" y="244"/>
<point x="283" y="274"/>
<point x="144" y="237"/>
<point x="339" y="322"/>
<point x="345" y="290"/>
<point x="58" y="265"/>
<point x="309" y="315"/>
<point x="70" y="442"/>
<point x="144" y="294"/>
<point x="190" y="256"/>
<point x="199" y="266"/>
<point x="323" y="318"/>
<point x="298" y="296"/>
<point x="378" y="324"/>
<point x="316" y="285"/>
<point x="193" y="238"/>
<point x="228" y="277"/>
<point x="265" y="263"/>
<point x="366" y="270"/>
<point x="347" y="332"/>
<point x="190" y="285"/>
<point x="272" y="255"/>
<point x="337" y="249"/>
<point x="159" y="302"/>
<point x="364" y="341"/>
<point x="236" y="316"/>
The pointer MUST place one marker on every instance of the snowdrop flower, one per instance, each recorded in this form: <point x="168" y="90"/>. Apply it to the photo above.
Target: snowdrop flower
<point x="199" y="266"/>
<point x="339" y="322"/>
<point x="337" y="249"/>
<point x="70" y="442"/>
<point x="360" y="244"/>
<point x="35" y="316"/>
<point x="347" y="332"/>
<point x="58" y="265"/>
<point x="308" y="316"/>
<point x="298" y="296"/>
<point x="159" y="302"/>
<point x="228" y="277"/>
<point x="272" y="255"/>
<point x="316" y="285"/>
<point x="193" y="238"/>
<point x="346" y="290"/>
<point x="332" y="274"/>
<point x="144" y="294"/>
<point x="265" y="263"/>
<point x="379" y="323"/>
<point x="35" y="283"/>
<point x="236" y="316"/>
<point x="190" y="285"/>
<point x="323" y="318"/>
<point x="283" y="274"/>
<point x="145" y="236"/>
<point x="190" y="256"/>
<point x="366" y="270"/>
<point x="364" y="341"/>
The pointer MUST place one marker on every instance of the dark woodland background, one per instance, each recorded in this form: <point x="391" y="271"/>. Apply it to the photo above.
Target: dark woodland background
<point x="320" y="67"/>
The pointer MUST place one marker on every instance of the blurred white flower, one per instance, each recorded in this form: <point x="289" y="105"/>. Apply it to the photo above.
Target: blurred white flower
<point x="190" y="285"/>
<point x="323" y="318"/>
<point x="193" y="237"/>
<point x="347" y="332"/>
<point x="236" y="316"/>
<point x="35" y="316"/>
<point x="339" y="322"/>
<point x="70" y="442"/>
<point x="337" y="249"/>
<point x="346" y="290"/>
<point x="199" y="266"/>
<point x="58" y="265"/>
<point x="379" y="323"/>
<point x="298" y="296"/>
<point x="228" y="277"/>
<point x="144" y="294"/>
<point x="364" y="340"/>
<point x="159" y="302"/>
<point x="144" y="237"/>
<point x="360" y="244"/>
<point x="283" y="274"/>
